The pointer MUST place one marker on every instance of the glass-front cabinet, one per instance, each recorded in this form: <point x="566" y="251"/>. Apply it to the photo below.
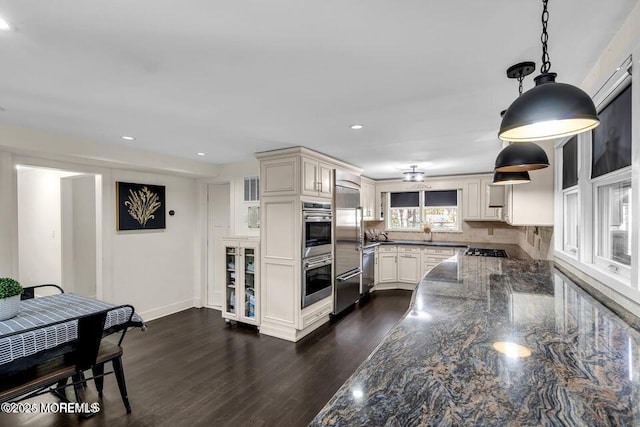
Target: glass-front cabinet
<point x="241" y="280"/>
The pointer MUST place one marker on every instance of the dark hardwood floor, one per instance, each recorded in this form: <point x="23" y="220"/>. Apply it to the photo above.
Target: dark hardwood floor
<point x="190" y="369"/>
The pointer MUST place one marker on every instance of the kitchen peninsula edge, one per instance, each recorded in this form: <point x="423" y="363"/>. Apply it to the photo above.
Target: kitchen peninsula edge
<point x="438" y="365"/>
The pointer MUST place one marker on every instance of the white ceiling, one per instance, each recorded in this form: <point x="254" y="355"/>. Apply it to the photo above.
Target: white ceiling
<point x="230" y="78"/>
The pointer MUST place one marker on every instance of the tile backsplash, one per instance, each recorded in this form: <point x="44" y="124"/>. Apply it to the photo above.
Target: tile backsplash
<point x="476" y="231"/>
<point x="535" y="241"/>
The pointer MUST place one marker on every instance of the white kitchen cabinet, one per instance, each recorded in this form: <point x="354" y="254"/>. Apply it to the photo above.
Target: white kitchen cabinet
<point x="471" y="206"/>
<point x="279" y="177"/>
<point x="433" y="255"/>
<point x="289" y="177"/>
<point x="241" y="280"/>
<point x="368" y="199"/>
<point x="387" y="264"/>
<point x="316" y="312"/>
<point x="296" y="175"/>
<point x="532" y="203"/>
<point x="487" y="213"/>
<point x="409" y="268"/>
<point x="476" y="201"/>
<point x="317" y="178"/>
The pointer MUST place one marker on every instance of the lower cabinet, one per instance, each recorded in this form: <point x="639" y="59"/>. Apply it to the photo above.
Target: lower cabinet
<point x="241" y="280"/>
<point x="432" y="256"/>
<point x="409" y="265"/>
<point x="387" y="264"/>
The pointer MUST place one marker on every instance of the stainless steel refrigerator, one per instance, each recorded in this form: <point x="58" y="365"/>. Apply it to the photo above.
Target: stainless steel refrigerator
<point x="347" y="241"/>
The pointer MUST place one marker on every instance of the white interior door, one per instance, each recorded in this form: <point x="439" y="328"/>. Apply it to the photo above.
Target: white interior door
<point x="218" y="226"/>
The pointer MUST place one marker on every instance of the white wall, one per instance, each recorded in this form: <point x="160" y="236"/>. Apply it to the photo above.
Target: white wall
<point x="159" y="272"/>
<point x="235" y="173"/>
<point x="154" y="270"/>
<point x="39" y="226"/>
<point x="8" y="217"/>
<point x="79" y="223"/>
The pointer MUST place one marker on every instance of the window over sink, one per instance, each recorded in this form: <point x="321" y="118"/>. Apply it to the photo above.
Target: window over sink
<point x="411" y="210"/>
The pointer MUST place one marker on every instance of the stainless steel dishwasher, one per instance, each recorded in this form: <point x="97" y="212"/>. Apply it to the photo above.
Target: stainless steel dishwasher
<point x="368" y="265"/>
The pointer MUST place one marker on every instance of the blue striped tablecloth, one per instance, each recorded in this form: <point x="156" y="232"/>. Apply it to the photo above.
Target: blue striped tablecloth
<point x="41" y="313"/>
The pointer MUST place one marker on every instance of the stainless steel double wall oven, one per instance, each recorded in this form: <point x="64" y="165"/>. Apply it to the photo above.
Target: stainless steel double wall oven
<point x="317" y="258"/>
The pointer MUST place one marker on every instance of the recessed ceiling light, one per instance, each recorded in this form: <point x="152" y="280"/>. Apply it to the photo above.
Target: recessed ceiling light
<point x="4" y="25"/>
<point x="127" y="138"/>
<point x="356" y="127"/>
<point x="201" y="154"/>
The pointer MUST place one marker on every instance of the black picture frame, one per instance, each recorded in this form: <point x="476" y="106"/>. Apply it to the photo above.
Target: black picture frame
<point x="140" y="206"/>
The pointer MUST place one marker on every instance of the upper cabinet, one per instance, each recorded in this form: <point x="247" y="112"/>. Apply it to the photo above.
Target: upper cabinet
<point x="368" y="199"/>
<point x="278" y="176"/>
<point x="476" y="201"/>
<point x="296" y="175"/>
<point x="532" y="203"/>
<point x="488" y="213"/>
<point x="317" y="178"/>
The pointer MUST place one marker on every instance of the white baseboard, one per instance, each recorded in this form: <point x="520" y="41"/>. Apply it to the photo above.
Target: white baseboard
<point x="278" y="331"/>
<point x="289" y="333"/>
<point x="312" y="327"/>
<point x="167" y="310"/>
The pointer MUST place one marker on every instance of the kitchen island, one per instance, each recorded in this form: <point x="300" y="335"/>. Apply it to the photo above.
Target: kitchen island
<point x="568" y="361"/>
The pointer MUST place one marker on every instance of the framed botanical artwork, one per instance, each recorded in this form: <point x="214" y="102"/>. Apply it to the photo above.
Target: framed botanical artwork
<point x="140" y="206"/>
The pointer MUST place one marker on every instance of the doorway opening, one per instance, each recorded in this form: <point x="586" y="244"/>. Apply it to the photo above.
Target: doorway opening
<point x="59" y="213"/>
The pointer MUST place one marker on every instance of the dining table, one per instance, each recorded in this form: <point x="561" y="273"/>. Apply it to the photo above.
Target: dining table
<point x="47" y="326"/>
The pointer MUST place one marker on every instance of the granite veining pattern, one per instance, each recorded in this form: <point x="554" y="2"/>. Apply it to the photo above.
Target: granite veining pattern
<point x="438" y="366"/>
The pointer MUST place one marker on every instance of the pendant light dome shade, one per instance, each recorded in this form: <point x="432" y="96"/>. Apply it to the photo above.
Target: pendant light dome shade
<point x="505" y="178"/>
<point x="548" y="110"/>
<point x="521" y="156"/>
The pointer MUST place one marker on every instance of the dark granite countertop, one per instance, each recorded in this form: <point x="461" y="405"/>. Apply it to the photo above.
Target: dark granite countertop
<point x="513" y="250"/>
<point x="438" y="365"/>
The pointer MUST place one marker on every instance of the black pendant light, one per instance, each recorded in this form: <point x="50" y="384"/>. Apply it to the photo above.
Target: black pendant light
<point x="506" y="178"/>
<point x="521" y="156"/>
<point x="549" y="110"/>
<point x="413" y="176"/>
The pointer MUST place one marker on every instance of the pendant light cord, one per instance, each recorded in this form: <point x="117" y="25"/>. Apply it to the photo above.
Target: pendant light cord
<point x="520" y="79"/>
<point x="544" y="38"/>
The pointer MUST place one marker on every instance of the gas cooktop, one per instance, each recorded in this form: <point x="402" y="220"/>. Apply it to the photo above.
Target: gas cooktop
<point x="497" y="253"/>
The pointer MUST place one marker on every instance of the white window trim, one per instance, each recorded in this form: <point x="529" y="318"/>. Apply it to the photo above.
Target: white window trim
<point x="570" y="250"/>
<point x="421" y="208"/>
<point x="584" y="261"/>
<point x="600" y="262"/>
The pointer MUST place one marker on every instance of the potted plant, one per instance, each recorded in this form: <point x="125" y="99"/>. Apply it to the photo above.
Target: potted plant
<point x="427" y="231"/>
<point x="10" y="291"/>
